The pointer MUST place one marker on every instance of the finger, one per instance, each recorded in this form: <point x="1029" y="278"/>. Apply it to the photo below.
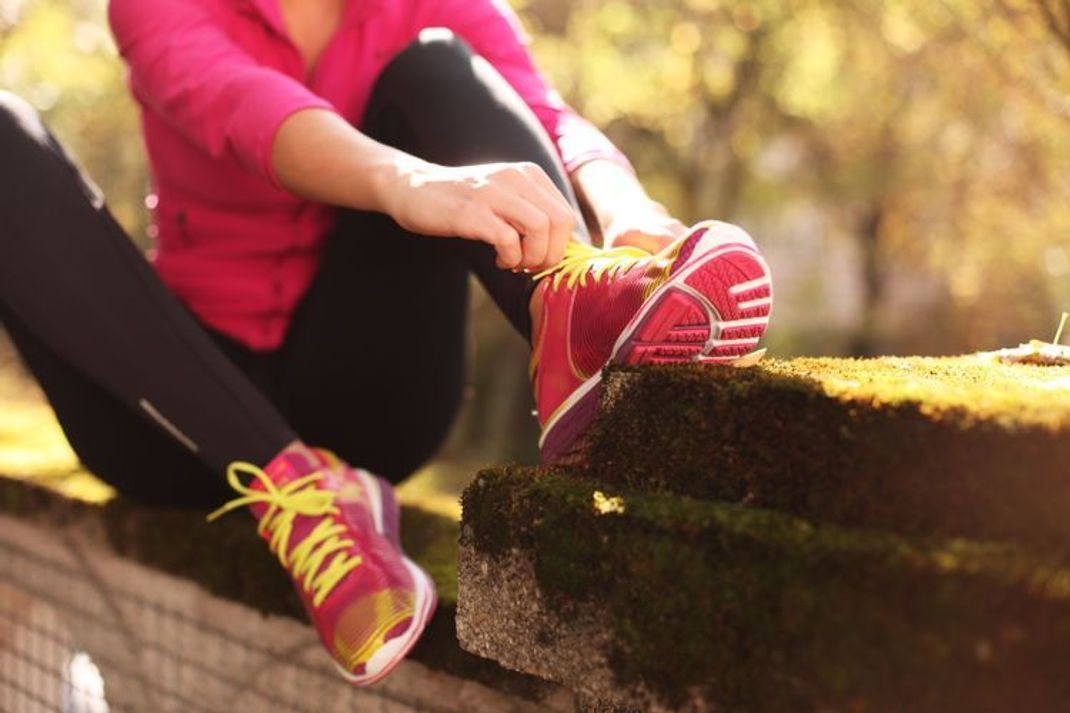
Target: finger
<point x="562" y="214"/>
<point x="565" y="209"/>
<point x="560" y="235"/>
<point x="529" y="219"/>
<point x="507" y="244"/>
<point x="536" y="173"/>
<point x="563" y="221"/>
<point x="478" y="222"/>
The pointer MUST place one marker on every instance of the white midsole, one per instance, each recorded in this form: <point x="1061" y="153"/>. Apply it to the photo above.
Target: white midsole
<point x="382" y="661"/>
<point x="568" y="403"/>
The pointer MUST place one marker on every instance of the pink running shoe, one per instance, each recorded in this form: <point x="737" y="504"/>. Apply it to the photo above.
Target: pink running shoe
<point x="368" y="602"/>
<point x="367" y="492"/>
<point x="705" y="298"/>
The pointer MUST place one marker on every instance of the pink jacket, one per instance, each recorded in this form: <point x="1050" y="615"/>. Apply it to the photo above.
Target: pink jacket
<point x="216" y="78"/>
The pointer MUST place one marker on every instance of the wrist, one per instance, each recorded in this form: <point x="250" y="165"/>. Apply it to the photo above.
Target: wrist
<point x="388" y="177"/>
<point x="611" y="192"/>
<point x="630" y="211"/>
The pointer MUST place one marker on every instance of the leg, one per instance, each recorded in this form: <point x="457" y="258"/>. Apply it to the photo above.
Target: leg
<point x="122" y="361"/>
<point x="374" y="360"/>
<point x="439" y="101"/>
<point x="112" y="441"/>
<point x="101" y="331"/>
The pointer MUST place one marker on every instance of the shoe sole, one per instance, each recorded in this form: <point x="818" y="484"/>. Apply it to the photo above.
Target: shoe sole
<point x="712" y="311"/>
<point x="393" y="652"/>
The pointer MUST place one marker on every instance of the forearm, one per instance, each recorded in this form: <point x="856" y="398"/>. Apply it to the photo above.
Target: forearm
<point x="318" y="155"/>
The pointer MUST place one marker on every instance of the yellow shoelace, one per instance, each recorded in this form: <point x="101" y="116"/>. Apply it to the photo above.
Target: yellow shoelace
<point x="298" y="497"/>
<point x="582" y="259"/>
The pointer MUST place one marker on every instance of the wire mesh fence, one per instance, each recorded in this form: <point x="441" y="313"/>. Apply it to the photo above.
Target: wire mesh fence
<point x="85" y="631"/>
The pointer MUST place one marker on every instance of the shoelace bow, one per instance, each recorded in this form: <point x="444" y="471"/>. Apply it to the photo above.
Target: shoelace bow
<point x="582" y="259"/>
<point x="298" y="497"/>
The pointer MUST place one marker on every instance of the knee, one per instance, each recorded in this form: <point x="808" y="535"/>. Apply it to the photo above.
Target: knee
<point x="432" y="68"/>
<point x="437" y="51"/>
<point x="11" y="103"/>
<point x="18" y="121"/>
<point x="32" y="154"/>
<point x="15" y="110"/>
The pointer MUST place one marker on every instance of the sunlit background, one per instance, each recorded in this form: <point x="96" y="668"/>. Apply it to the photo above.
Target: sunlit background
<point x="905" y="164"/>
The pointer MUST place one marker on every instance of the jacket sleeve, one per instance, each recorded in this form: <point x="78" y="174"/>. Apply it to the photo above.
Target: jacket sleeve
<point x="188" y="71"/>
<point x="494" y="31"/>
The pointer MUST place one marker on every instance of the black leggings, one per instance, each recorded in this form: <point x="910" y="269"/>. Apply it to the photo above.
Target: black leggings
<point x="372" y="367"/>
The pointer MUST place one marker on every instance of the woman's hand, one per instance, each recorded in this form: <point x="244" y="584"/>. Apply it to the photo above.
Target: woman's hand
<point x="514" y="207"/>
<point x="647" y="226"/>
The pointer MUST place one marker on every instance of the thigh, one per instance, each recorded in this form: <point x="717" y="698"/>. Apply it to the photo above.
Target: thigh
<point x="373" y="365"/>
<point x="120" y="446"/>
<point x="75" y="282"/>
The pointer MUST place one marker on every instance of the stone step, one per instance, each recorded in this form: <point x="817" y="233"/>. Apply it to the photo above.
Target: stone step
<point x="667" y="603"/>
<point x="952" y="446"/>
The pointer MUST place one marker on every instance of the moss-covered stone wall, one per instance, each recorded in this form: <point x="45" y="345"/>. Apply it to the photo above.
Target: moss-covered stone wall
<point x="874" y="536"/>
<point x="722" y="607"/>
<point x="956" y="447"/>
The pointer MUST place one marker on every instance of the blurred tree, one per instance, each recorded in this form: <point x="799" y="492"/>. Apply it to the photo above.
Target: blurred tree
<point x="1056" y="18"/>
<point x="910" y="133"/>
<point x="59" y="55"/>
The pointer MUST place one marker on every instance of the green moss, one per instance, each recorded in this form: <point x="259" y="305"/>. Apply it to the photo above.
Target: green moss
<point x="766" y="612"/>
<point x="917" y="446"/>
<point x="431" y="540"/>
<point x="967" y="390"/>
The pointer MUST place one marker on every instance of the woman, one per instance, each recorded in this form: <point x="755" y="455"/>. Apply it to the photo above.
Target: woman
<point x="310" y="282"/>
